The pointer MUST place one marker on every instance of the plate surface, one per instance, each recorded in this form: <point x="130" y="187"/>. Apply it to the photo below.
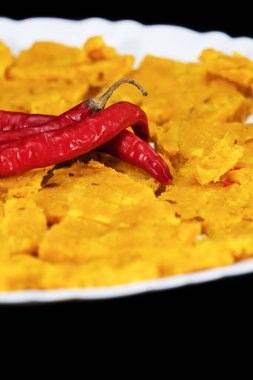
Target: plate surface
<point x="133" y="38"/>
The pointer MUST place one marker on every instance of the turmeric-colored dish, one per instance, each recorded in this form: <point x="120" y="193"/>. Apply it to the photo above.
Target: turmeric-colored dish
<point x="98" y="221"/>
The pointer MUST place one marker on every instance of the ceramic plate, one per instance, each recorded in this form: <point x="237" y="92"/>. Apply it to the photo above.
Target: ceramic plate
<point x="128" y="37"/>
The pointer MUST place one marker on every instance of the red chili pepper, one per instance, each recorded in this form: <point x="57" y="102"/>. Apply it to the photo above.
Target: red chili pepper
<point x="15" y="131"/>
<point x="64" y="144"/>
<point x="130" y="148"/>
<point x="125" y="146"/>
<point x="55" y="122"/>
<point x="12" y="121"/>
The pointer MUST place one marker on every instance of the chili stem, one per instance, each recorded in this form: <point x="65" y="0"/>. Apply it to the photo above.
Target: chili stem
<point x="97" y="104"/>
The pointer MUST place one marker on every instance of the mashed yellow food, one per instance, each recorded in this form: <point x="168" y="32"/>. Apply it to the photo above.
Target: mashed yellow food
<point x="99" y="221"/>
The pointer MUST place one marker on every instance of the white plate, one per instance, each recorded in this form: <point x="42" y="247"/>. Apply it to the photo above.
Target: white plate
<point x="133" y="38"/>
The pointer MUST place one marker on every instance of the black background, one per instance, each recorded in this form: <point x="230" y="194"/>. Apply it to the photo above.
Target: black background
<point x="230" y="296"/>
<point x="234" y="18"/>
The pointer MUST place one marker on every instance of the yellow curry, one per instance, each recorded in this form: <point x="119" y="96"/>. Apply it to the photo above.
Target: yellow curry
<point x="98" y="221"/>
